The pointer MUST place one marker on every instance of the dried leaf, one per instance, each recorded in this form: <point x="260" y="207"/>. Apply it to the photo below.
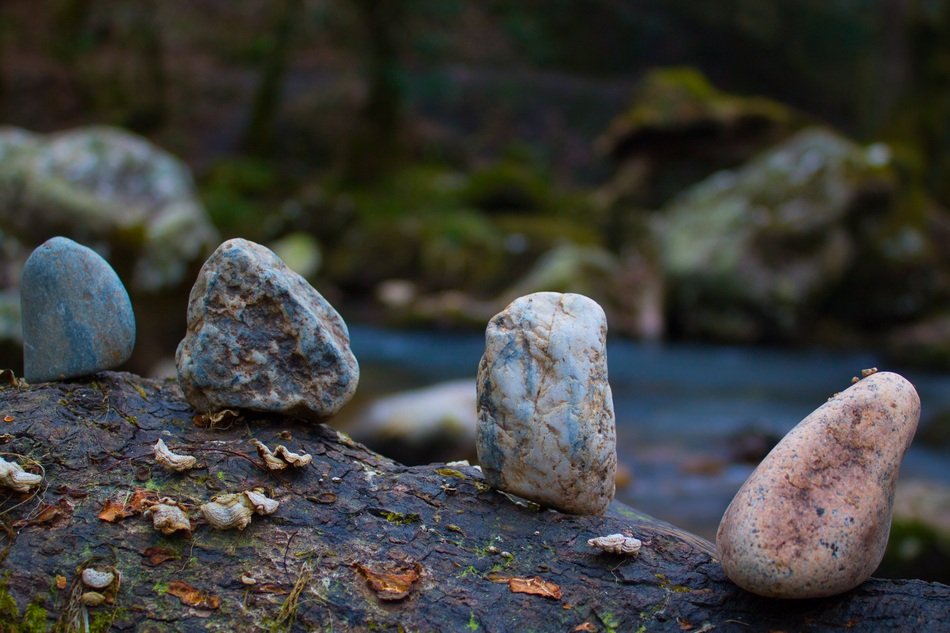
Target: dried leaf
<point x="586" y="627"/>
<point x="60" y="581"/>
<point x="271" y="588"/>
<point x="157" y="555"/>
<point x="113" y="511"/>
<point x="51" y="515"/>
<point x="216" y="420"/>
<point x="193" y="597"/>
<point x="451" y="472"/>
<point x="7" y="376"/>
<point x="391" y="581"/>
<point x="8" y="418"/>
<point x="536" y="586"/>
<point x="141" y="499"/>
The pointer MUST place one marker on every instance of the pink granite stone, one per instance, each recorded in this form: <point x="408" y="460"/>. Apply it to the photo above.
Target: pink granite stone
<point x="814" y="517"/>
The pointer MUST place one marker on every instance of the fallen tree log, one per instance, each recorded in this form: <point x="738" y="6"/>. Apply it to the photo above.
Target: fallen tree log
<point x="359" y="542"/>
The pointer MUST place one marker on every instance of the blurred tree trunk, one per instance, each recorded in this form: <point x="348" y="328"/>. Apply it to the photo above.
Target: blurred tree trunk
<point x="69" y="18"/>
<point x="259" y="136"/>
<point x="4" y="27"/>
<point x="892" y="66"/>
<point x="377" y="146"/>
<point x="916" y="82"/>
<point x="150" y="111"/>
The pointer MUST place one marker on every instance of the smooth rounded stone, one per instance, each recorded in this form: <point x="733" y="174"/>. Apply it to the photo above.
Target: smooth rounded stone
<point x="77" y="317"/>
<point x="813" y="519"/>
<point x="545" y="412"/>
<point x="261" y="338"/>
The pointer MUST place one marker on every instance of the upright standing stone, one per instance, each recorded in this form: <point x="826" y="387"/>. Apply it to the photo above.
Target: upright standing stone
<point x="814" y="517"/>
<point x="77" y="317"/>
<point x="261" y="338"/>
<point x="545" y="411"/>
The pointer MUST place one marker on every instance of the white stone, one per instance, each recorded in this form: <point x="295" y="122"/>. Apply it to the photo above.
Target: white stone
<point x="545" y="412"/>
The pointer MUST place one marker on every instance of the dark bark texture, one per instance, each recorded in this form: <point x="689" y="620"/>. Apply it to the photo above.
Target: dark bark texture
<point x="359" y="543"/>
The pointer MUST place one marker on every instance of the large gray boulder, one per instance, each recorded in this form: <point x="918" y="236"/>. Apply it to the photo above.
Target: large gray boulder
<point x="751" y="253"/>
<point x="107" y="188"/>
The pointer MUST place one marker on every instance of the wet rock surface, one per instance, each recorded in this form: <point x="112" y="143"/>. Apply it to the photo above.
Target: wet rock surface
<point x="261" y="338"/>
<point x="77" y="317"/>
<point x="545" y="412"/>
<point x="813" y="519"/>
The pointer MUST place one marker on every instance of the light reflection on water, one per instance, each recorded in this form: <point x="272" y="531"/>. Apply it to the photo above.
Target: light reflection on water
<point x="677" y="406"/>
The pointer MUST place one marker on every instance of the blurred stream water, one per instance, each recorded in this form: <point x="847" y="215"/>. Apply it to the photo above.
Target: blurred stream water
<point x="683" y="410"/>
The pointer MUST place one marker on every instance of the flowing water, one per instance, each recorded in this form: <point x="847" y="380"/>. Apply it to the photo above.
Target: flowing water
<point x="685" y="413"/>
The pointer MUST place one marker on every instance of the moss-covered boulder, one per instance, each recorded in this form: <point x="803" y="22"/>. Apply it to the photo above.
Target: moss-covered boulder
<point x="756" y="253"/>
<point x="679" y="129"/>
<point x="109" y="189"/>
<point x="628" y="288"/>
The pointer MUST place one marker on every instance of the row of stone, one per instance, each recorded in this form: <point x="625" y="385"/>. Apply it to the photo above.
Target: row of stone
<point x="812" y="520"/>
<point x="258" y="335"/>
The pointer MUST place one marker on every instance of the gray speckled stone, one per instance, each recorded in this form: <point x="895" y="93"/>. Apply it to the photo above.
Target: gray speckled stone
<point x="77" y="317"/>
<point x="261" y="338"/>
<point x="545" y="411"/>
<point x="814" y="517"/>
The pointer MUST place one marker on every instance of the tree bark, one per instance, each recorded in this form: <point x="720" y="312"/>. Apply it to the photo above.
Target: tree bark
<point x="259" y="136"/>
<point x="456" y="549"/>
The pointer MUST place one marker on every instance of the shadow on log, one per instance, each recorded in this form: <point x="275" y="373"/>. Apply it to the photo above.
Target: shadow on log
<point x="359" y="542"/>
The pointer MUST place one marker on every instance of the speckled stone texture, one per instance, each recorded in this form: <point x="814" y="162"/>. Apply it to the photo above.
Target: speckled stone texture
<point x="545" y="411"/>
<point x="261" y="338"/>
<point x="813" y="519"/>
<point x="77" y="317"/>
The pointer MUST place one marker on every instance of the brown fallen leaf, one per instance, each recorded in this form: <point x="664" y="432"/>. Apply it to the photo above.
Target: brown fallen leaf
<point x="7" y="376"/>
<point x="8" y="418"/>
<point x="216" y="420"/>
<point x="271" y="588"/>
<point x="586" y="627"/>
<point x="54" y="516"/>
<point x="141" y="499"/>
<point x="155" y="556"/>
<point x="536" y="586"/>
<point x="391" y="581"/>
<point x="113" y="511"/>
<point x="60" y="581"/>
<point x="193" y="597"/>
<point x="116" y="510"/>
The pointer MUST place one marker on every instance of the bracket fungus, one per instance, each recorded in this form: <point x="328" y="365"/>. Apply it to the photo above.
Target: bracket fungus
<point x="13" y="476"/>
<point x="97" y="578"/>
<point x="168" y="517"/>
<point x="92" y="598"/>
<point x="261" y="503"/>
<point x="281" y="457"/>
<point x="234" y="510"/>
<point x="172" y="461"/>
<point x="616" y="544"/>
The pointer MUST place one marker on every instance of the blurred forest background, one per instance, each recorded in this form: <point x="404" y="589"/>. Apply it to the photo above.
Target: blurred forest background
<point x="425" y="161"/>
<point x="767" y="174"/>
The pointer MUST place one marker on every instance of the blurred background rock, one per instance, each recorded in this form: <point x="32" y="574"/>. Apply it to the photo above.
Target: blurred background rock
<point x="740" y="173"/>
